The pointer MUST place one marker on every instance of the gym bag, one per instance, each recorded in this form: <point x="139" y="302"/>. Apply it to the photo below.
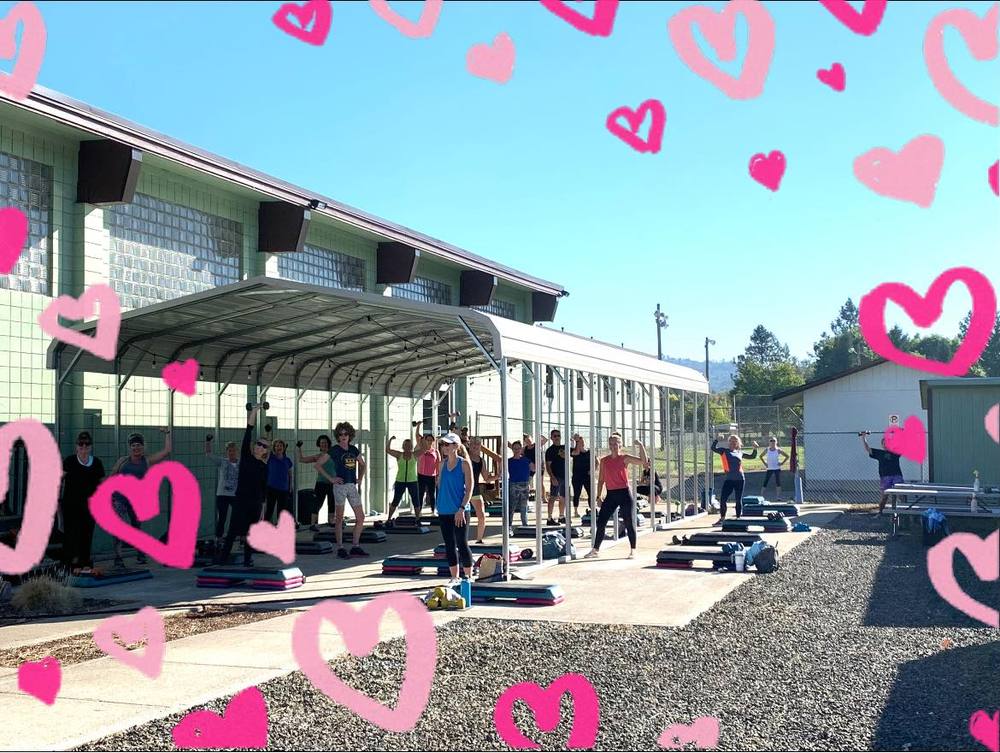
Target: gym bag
<point x="935" y="526"/>
<point x="553" y="545"/>
<point x="766" y="560"/>
<point x="490" y="567"/>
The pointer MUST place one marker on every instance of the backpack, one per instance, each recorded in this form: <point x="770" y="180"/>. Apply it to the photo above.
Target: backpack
<point x="490" y="567"/>
<point x="766" y="560"/>
<point x="934" y="526"/>
<point x="553" y="545"/>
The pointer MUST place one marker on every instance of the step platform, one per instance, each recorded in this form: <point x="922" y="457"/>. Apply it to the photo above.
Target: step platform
<point x="413" y="565"/>
<point x="109" y="577"/>
<point x="528" y="532"/>
<point x="368" y="536"/>
<point x="514" y="554"/>
<point x="409" y="521"/>
<point x="717" y="539"/>
<point x="415" y="530"/>
<point x="761" y="510"/>
<point x="257" y="578"/>
<point x="313" y="547"/>
<point x="520" y="592"/>
<point x="781" y="525"/>
<point x="684" y="559"/>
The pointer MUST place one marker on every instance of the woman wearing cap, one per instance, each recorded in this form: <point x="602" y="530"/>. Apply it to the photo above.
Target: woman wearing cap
<point x="136" y="463"/>
<point x="613" y="474"/>
<point x="249" y="491"/>
<point x="82" y="473"/>
<point x="323" y="489"/>
<point x="428" y="459"/>
<point x="454" y="492"/>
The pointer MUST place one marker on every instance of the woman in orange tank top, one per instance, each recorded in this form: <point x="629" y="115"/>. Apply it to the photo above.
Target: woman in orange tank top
<point x="614" y="475"/>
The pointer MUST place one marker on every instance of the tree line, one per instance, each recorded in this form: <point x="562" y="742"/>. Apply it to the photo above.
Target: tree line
<point x="767" y="366"/>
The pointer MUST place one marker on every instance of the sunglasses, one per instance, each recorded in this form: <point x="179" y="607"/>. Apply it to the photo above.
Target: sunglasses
<point x="264" y="445"/>
<point x="343" y="434"/>
<point x="83" y="444"/>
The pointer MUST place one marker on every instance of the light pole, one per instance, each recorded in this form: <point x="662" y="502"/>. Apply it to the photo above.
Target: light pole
<point x="709" y="456"/>
<point x="661" y="323"/>
<point x="707" y="343"/>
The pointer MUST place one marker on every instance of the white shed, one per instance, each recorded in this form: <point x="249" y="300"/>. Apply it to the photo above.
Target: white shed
<point x="835" y="409"/>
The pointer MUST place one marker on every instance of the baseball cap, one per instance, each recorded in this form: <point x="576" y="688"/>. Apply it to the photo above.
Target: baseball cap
<point x="136" y="438"/>
<point x="451" y="438"/>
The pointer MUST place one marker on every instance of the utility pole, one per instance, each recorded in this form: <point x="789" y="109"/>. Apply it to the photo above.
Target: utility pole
<point x="707" y="343"/>
<point x="661" y="323"/>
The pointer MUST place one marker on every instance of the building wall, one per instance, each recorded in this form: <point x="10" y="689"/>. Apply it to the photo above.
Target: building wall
<point x="959" y="442"/>
<point x="836" y="411"/>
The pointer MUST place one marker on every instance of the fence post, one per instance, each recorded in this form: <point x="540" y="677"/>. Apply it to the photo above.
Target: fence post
<point x="794" y="466"/>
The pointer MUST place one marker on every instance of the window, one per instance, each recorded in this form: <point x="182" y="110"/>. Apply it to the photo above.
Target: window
<point x="320" y="266"/>
<point x="497" y="307"/>
<point x="443" y="422"/>
<point x="424" y="289"/>
<point x="161" y="250"/>
<point x="27" y="185"/>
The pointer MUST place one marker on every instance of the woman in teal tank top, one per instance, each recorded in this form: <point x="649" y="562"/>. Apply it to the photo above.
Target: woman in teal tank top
<point x="406" y="478"/>
<point x="454" y="490"/>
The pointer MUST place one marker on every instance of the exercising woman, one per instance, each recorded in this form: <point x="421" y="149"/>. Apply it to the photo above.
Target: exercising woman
<point x="406" y="478"/>
<point x="732" y="464"/>
<point x="323" y="489"/>
<point x="136" y="463"/>
<point x="613" y="474"/>
<point x="279" y="480"/>
<point x="82" y="474"/>
<point x="476" y="452"/>
<point x="581" y="473"/>
<point x="428" y="459"/>
<point x="250" y="485"/>
<point x="344" y="468"/>
<point x="773" y="458"/>
<point x="454" y="492"/>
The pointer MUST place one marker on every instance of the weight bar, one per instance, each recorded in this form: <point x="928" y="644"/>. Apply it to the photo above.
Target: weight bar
<point x="265" y="405"/>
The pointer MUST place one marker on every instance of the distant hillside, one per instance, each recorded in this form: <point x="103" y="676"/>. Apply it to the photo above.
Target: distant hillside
<point x="720" y="372"/>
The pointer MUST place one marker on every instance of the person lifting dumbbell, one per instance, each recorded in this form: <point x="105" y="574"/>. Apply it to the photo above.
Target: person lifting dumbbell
<point x="225" y="487"/>
<point x="323" y="489"/>
<point x="250" y="484"/>
<point x="136" y="463"/>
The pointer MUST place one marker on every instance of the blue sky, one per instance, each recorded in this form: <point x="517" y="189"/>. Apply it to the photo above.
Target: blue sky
<point x="525" y="173"/>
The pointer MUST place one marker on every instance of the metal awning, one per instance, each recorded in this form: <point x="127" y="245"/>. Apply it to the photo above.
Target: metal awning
<point x="272" y="332"/>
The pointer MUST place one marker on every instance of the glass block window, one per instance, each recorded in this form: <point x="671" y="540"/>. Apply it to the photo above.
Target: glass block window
<point x="497" y="307"/>
<point x="319" y="266"/>
<point x="27" y="185"/>
<point x="161" y="250"/>
<point x="424" y="289"/>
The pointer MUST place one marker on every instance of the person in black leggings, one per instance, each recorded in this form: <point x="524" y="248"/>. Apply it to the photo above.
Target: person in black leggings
<point x="581" y="473"/>
<point x="323" y="490"/>
<point x="732" y="464"/>
<point x="454" y="494"/>
<point x="613" y="474"/>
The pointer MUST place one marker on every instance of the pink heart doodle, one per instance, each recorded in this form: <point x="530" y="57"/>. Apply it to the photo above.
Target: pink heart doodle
<point x="864" y="23"/>
<point x="21" y="80"/>
<point x="635" y="119"/>
<point x="278" y="540"/>
<point x="13" y="236"/>
<point x="703" y="732"/>
<point x="908" y="440"/>
<point x="986" y="729"/>
<point x="360" y="629"/>
<point x="144" y="496"/>
<point x="992" y="423"/>
<point x="993" y="177"/>
<point x="599" y="26"/>
<point x="41" y="679"/>
<point x="104" y="343"/>
<point x="493" y="61"/>
<point x="545" y="704"/>
<point x="181" y="376"/>
<point x="422" y="28"/>
<point x="42" y="497"/>
<point x="980" y="36"/>
<point x="319" y="11"/>
<point x="910" y="175"/>
<point x="243" y="724"/>
<point x="924" y="311"/>
<point x="982" y="554"/>
<point x="833" y="77"/>
<point x="719" y="29"/>
<point x="768" y="170"/>
<point x="146" y="623"/>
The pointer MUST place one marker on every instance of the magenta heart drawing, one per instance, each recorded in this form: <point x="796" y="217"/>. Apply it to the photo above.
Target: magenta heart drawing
<point x="924" y="311"/>
<point x="635" y="118"/>
<point x="982" y="554"/>
<point x="768" y="170"/>
<point x="181" y="376"/>
<point x="319" y="13"/>
<point x="244" y="724"/>
<point x="42" y="679"/>
<point x="13" y="236"/>
<point x="834" y="77"/>
<point x="144" y="496"/>
<point x="545" y="704"/>
<point x="600" y="25"/>
<point x="908" y="440"/>
<point x="146" y="624"/>
<point x="360" y="629"/>
<point x="986" y="729"/>
<point x="864" y="23"/>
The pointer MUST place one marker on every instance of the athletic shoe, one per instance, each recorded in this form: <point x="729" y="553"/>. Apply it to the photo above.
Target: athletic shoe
<point x="389" y="524"/>
<point x="453" y="582"/>
<point x="480" y="541"/>
<point x="562" y="520"/>
<point x="592" y="554"/>
<point x="718" y="522"/>
<point x="342" y="553"/>
<point x="551" y="522"/>
<point x="631" y="555"/>
<point x="357" y="551"/>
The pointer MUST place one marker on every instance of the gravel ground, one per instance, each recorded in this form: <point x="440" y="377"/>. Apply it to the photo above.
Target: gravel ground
<point x="847" y="647"/>
<point x="80" y="648"/>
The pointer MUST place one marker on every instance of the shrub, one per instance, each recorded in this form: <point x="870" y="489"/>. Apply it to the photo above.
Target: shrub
<point x="45" y="595"/>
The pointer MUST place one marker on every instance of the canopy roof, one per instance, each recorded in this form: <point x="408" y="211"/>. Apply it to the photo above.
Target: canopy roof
<point x="280" y="333"/>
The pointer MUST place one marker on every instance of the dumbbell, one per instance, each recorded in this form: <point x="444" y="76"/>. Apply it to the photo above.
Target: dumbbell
<point x="415" y="424"/>
<point x="267" y="428"/>
<point x="265" y="405"/>
<point x="299" y="443"/>
<point x="209" y="437"/>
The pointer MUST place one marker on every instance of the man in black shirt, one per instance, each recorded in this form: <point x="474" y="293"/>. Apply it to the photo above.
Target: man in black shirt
<point x="249" y="505"/>
<point x="82" y="474"/>
<point x="889" y="472"/>
<point x="555" y="465"/>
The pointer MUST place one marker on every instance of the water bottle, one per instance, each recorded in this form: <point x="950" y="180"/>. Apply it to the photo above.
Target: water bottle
<point x="975" y="491"/>
<point x="465" y="591"/>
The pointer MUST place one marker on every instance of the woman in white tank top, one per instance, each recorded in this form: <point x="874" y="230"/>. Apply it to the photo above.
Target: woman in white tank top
<point x="773" y="458"/>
